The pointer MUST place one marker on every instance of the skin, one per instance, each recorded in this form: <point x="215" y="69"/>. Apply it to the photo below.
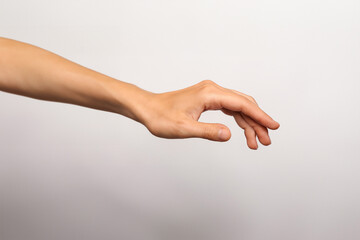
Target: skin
<point x="37" y="73"/>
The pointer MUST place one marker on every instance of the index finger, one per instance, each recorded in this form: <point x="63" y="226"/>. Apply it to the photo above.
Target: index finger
<point x="239" y="103"/>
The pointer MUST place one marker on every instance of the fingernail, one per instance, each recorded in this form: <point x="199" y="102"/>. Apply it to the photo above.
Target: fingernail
<point x="223" y="134"/>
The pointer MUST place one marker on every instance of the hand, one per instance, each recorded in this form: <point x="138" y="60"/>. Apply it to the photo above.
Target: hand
<point x="176" y="114"/>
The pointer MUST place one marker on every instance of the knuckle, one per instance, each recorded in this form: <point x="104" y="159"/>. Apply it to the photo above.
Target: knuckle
<point x="207" y="82"/>
<point x="208" y="88"/>
<point x="252" y="99"/>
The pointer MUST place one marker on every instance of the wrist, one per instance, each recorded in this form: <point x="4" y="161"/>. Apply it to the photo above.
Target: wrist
<point x="131" y="101"/>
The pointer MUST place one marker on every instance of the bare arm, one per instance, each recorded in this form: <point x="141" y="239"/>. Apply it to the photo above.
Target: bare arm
<point x="34" y="72"/>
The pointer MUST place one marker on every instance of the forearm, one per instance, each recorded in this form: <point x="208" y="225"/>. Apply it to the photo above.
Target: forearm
<point x="34" y="72"/>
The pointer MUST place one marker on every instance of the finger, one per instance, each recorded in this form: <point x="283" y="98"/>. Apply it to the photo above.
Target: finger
<point x="239" y="93"/>
<point x="261" y="131"/>
<point x="228" y="112"/>
<point x="238" y="103"/>
<point x="210" y="131"/>
<point x="233" y="100"/>
<point x="234" y="91"/>
<point x="244" y="95"/>
<point x="249" y="132"/>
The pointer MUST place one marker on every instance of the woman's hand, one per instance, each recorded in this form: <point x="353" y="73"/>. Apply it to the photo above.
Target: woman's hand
<point x="176" y="114"/>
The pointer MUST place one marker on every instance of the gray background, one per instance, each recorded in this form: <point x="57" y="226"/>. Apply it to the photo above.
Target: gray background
<point x="67" y="172"/>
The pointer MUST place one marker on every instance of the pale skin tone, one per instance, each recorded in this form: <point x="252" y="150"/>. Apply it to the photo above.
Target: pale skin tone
<point x="34" y="72"/>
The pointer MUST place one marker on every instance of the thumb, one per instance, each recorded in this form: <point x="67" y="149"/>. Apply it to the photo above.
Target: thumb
<point x="210" y="131"/>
